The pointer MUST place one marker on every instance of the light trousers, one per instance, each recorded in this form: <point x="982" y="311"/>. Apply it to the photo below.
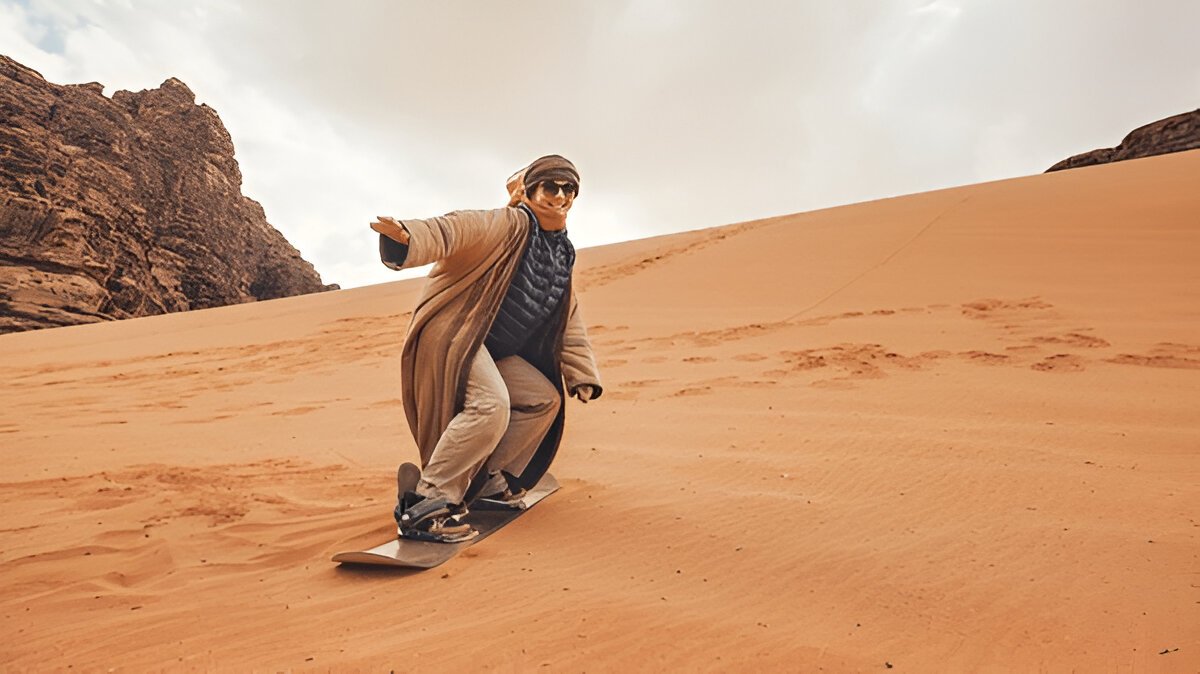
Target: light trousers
<point x="509" y="407"/>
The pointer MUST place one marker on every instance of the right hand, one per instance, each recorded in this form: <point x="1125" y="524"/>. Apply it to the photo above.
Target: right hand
<point x="390" y="228"/>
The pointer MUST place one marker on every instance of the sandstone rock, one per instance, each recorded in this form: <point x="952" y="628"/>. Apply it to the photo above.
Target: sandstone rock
<point x="1173" y="134"/>
<point x="124" y="207"/>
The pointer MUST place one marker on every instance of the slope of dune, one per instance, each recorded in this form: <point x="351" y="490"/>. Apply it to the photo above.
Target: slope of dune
<point x="952" y="431"/>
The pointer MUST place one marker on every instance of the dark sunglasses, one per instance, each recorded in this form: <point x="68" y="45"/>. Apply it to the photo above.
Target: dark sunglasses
<point x="551" y="187"/>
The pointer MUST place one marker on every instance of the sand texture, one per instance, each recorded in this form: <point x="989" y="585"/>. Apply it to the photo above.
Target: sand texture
<point x="953" y="431"/>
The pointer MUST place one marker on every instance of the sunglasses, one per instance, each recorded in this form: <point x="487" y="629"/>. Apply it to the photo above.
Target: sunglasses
<point x="551" y="187"/>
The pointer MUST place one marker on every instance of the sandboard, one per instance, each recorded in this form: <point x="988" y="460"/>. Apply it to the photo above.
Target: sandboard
<point x="405" y="553"/>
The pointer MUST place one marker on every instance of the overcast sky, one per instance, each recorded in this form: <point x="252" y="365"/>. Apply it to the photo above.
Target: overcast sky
<point x="680" y="114"/>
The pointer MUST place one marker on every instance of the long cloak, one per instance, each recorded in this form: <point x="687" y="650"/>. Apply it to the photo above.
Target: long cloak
<point x="476" y="254"/>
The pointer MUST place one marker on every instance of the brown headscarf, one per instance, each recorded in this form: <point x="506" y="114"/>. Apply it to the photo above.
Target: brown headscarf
<point x="550" y="167"/>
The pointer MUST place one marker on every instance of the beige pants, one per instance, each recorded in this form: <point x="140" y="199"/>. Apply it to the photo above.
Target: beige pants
<point x="509" y="407"/>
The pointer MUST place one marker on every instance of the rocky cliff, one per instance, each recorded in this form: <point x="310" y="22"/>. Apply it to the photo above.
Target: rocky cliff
<point x="1173" y="134"/>
<point x="124" y="207"/>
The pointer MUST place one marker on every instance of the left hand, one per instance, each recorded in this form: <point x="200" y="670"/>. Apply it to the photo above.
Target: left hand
<point x="584" y="392"/>
<point x="390" y="228"/>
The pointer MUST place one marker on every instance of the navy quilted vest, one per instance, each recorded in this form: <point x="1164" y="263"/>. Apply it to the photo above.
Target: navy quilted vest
<point x="535" y="292"/>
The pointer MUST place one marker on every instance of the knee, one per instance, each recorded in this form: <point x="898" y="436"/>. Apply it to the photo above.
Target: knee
<point x="545" y="403"/>
<point x="492" y="411"/>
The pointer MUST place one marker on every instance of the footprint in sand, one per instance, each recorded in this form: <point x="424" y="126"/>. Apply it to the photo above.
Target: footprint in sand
<point x="1164" y="354"/>
<point x="641" y="383"/>
<point x="603" y="329"/>
<point x="1007" y="310"/>
<point x="854" y="361"/>
<point x="985" y="357"/>
<point x="1074" y="339"/>
<point x="1023" y="348"/>
<point x="1060" y="362"/>
<point x="803" y="360"/>
<point x="692" y="391"/>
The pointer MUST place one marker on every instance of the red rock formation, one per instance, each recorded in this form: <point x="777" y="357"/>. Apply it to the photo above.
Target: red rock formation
<point x="1173" y="134"/>
<point x="124" y="207"/>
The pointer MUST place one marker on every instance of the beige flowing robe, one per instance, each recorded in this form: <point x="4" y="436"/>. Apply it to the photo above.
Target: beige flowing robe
<point x="476" y="255"/>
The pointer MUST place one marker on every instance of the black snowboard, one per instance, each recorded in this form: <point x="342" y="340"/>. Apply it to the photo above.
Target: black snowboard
<point x="486" y="518"/>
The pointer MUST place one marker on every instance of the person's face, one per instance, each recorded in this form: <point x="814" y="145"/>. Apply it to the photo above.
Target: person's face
<point x="556" y="195"/>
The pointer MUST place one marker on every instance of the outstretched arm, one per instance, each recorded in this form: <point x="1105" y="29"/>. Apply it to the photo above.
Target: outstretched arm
<point x="413" y="243"/>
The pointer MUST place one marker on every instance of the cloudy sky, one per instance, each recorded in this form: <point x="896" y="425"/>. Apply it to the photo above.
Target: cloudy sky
<point x="680" y="114"/>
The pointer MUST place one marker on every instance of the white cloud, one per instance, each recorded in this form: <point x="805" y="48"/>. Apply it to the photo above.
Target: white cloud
<point x="680" y="114"/>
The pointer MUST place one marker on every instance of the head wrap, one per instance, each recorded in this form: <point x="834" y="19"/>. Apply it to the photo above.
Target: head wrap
<point x="550" y="167"/>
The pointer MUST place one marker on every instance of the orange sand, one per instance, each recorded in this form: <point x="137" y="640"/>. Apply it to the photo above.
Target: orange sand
<point x="953" y="431"/>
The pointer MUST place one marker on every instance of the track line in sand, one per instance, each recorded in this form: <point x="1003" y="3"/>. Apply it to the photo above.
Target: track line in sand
<point x="882" y="262"/>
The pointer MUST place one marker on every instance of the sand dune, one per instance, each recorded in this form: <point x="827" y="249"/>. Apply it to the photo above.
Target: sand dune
<point x="952" y="431"/>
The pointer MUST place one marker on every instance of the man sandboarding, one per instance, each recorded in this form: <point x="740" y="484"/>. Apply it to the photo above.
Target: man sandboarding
<point x="495" y="333"/>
